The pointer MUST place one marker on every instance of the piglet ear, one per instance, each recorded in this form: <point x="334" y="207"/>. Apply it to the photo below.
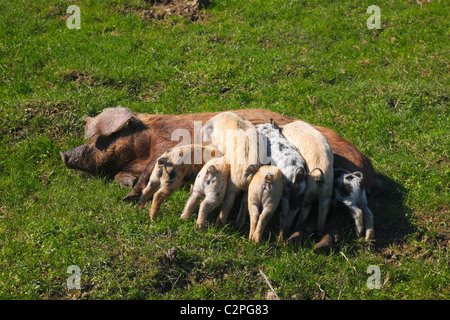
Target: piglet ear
<point x="352" y="175"/>
<point x="272" y="122"/>
<point x="110" y="120"/>
<point x="251" y="169"/>
<point x="358" y="174"/>
<point x="162" y="161"/>
<point x="87" y="119"/>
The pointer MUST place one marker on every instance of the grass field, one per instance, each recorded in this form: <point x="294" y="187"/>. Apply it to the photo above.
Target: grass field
<point x="386" y="90"/>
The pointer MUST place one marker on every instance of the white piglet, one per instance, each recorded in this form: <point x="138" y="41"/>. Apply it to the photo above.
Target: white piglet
<point x="316" y="151"/>
<point x="237" y="139"/>
<point x="264" y="194"/>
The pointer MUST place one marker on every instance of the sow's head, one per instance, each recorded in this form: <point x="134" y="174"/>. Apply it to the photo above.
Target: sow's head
<point x="108" y="147"/>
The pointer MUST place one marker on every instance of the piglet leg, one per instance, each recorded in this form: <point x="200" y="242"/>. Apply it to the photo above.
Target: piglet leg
<point x="285" y="219"/>
<point x="243" y="211"/>
<point x="263" y="220"/>
<point x="207" y="205"/>
<point x="228" y="201"/>
<point x="357" y="215"/>
<point x="253" y="211"/>
<point x="368" y="222"/>
<point x="158" y="199"/>
<point x="190" y="205"/>
<point x="324" y="205"/>
<point x="147" y="193"/>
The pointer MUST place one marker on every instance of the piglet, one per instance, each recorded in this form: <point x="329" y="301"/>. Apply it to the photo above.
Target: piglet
<point x="316" y="151"/>
<point x="175" y="167"/>
<point x="210" y="184"/>
<point x="285" y="155"/>
<point x="237" y="139"/>
<point x="264" y="194"/>
<point x="349" y="195"/>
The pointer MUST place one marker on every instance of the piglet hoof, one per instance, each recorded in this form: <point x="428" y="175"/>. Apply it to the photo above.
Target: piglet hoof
<point x="255" y="239"/>
<point x="336" y="237"/>
<point x="281" y="237"/>
<point x="140" y="205"/>
<point x="201" y="226"/>
<point x="132" y="196"/>
<point x="152" y="216"/>
<point x="296" y="237"/>
<point x="369" y="234"/>
<point x="220" y="221"/>
<point x="324" y="243"/>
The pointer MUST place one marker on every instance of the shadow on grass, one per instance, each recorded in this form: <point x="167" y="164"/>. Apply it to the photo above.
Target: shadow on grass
<point x="391" y="217"/>
<point x="391" y="221"/>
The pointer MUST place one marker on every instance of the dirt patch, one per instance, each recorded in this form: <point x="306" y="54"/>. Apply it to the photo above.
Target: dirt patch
<point x="164" y="9"/>
<point x="37" y="118"/>
<point x="75" y="77"/>
<point x="78" y="77"/>
<point x="175" y="268"/>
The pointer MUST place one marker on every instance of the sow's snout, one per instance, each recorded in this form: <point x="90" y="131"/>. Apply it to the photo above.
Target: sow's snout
<point x="72" y="158"/>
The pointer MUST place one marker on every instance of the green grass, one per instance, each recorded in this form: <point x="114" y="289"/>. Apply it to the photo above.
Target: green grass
<point x="385" y="90"/>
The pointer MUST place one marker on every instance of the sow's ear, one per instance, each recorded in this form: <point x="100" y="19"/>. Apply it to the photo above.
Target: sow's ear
<point x="110" y="120"/>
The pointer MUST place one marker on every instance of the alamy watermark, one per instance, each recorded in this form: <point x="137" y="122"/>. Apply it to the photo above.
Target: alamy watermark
<point x="374" y="281"/>
<point x="374" y="21"/>
<point x="74" y="21"/>
<point x="74" y="281"/>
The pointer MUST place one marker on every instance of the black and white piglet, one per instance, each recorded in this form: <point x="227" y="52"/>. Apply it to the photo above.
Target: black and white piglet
<point x="349" y="194"/>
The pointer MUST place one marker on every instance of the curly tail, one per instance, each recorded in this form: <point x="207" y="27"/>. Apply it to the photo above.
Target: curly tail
<point x="268" y="177"/>
<point x="319" y="178"/>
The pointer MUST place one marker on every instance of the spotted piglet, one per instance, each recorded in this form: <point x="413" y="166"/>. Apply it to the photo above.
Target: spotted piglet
<point x="180" y="165"/>
<point x="349" y="194"/>
<point x="210" y="184"/>
<point x="285" y="155"/>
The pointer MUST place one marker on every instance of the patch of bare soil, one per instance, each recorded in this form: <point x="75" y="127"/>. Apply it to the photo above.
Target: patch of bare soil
<point x="35" y="117"/>
<point x="78" y="77"/>
<point x="163" y="9"/>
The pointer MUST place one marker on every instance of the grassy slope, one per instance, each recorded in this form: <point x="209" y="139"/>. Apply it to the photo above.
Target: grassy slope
<point x="385" y="90"/>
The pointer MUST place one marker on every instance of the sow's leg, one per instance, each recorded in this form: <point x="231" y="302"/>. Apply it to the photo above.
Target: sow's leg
<point x="125" y="179"/>
<point x="131" y="172"/>
<point x="142" y="182"/>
